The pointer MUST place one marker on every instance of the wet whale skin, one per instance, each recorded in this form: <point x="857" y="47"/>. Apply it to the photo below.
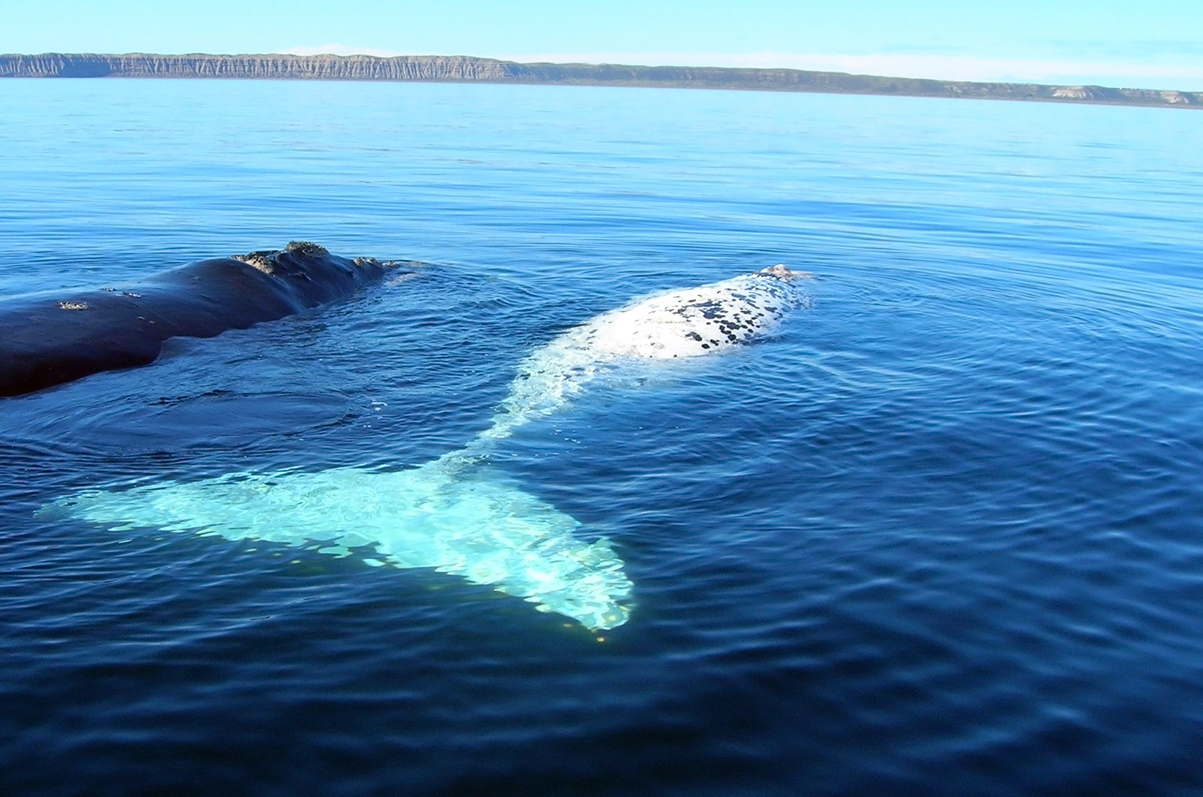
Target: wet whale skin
<point x="54" y="337"/>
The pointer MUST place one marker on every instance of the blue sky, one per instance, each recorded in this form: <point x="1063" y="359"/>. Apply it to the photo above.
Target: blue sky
<point x="1154" y="43"/>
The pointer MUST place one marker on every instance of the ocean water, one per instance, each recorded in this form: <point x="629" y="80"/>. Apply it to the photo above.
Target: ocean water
<point x="940" y="532"/>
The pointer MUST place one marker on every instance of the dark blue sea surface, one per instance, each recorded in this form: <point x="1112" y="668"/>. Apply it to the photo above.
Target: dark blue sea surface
<point x="941" y="533"/>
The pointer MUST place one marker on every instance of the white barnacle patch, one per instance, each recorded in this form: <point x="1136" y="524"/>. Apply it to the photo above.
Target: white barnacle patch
<point x="257" y="260"/>
<point x="307" y="248"/>
<point x="73" y="305"/>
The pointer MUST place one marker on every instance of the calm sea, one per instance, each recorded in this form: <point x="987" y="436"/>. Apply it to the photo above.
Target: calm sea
<point x="939" y="534"/>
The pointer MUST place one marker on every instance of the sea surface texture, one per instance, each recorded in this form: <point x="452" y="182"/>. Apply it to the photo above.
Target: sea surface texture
<point x="938" y="531"/>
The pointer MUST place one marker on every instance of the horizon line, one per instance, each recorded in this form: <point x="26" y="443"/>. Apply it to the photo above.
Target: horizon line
<point x="1169" y="97"/>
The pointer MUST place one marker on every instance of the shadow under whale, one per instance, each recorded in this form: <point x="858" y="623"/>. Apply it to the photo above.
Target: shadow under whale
<point x="53" y="337"/>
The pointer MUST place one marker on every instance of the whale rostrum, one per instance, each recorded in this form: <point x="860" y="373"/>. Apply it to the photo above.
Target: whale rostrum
<point x="458" y="514"/>
<point x="682" y="323"/>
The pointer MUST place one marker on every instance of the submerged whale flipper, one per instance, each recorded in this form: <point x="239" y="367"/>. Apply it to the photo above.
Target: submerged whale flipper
<point x="480" y="527"/>
<point x="454" y="514"/>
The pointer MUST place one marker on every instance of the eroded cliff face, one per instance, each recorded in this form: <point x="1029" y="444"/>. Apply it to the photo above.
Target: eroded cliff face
<point x="264" y="67"/>
<point x="437" y="68"/>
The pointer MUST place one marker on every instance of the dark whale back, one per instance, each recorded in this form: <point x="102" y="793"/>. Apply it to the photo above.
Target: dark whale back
<point x="50" y="338"/>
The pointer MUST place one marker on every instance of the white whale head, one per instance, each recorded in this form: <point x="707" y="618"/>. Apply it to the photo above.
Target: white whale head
<point x="688" y="322"/>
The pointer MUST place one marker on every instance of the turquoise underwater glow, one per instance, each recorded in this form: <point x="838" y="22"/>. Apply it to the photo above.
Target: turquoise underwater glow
<point x="475" y="526"/>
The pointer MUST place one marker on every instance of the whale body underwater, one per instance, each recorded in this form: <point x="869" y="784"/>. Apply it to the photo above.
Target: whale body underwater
<point x="54" y="337"/>
<point x="458" y="514"/>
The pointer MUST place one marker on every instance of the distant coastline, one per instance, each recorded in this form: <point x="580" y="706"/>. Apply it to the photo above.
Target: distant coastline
<point x="467" y="69"/>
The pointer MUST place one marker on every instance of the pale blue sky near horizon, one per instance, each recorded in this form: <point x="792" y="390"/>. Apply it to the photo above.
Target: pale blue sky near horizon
<point x="1155" y="44"/>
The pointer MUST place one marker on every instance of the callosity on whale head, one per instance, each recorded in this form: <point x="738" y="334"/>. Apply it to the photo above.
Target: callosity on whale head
<point x="781" y="272"/>
<point x="318" y="275"/>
